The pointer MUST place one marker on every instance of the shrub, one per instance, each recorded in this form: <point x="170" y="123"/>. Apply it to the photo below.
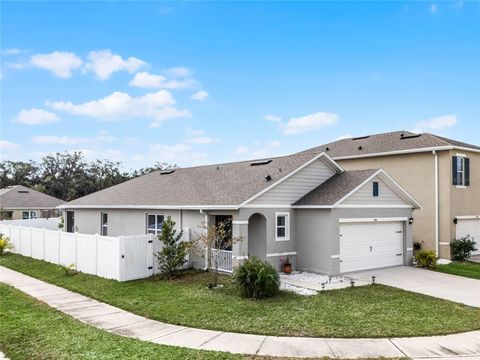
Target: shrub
<point x="426" y="259"/>
<point x="173" y="254"/>
<point x="5" y="244"/>
<point x="257" y="279"/>
<point x="462" y="248"/>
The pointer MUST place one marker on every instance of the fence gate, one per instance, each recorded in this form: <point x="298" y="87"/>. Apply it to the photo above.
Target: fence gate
<point x="136" y="257"/>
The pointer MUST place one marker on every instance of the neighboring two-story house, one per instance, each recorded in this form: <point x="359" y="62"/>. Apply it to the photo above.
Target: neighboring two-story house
<point x="442" y="174"/>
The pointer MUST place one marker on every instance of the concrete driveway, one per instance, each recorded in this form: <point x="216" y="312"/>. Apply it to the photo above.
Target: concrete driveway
<point x="449" y="287"/>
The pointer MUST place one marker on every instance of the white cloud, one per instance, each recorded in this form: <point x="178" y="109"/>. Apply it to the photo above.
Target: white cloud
<point x="194" y="132"/>
<point x="104" y="63"/>
<point x="177" y="153"/>
<point x="12" y="51"/>
<point x="35" y="117"/>
<point x="203" y="140"/>
<point x="69" y="140"/>
<point x="241" y="150"/>
<point x="60" y="63"/>
<point x="7" y="146"/>
<point x="433" y="8"/>
<point x="273" y="118"/>
<point x="178" y="71"/>
<point x="308" y="123"/>
<point x="200" y="95"/>
<point x="275" y="144"/>
<point x="157" y="106"/>
<point x="147" y="80"/>
<point x="435" y="124"/>
<point x="15" y="65"/>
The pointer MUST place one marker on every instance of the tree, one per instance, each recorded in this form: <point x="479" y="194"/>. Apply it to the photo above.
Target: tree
<point x="174" y="251"/>
<point x="19" y="173"/>
<point x="210" y="241"/>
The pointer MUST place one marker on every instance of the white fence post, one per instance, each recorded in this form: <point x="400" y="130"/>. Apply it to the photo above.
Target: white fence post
<point x="43" y="243"/>
<point x="59" y="242"/>
<point x="75" y="249"/>
<point x="96" y="254"/>
<point x="121" y="258"/>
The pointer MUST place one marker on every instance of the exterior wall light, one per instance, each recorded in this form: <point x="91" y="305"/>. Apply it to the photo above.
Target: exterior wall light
<point x="373" y="280"/>
<point x="410" y="221"/>
<point x="455" y="220"/>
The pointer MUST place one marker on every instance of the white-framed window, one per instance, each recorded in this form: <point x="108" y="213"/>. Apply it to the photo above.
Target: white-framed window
<point x="154" y="223"/>
<point x="282" y="226"/>
<point x="460" y="170"/>
<point x="104" y="222"/>
<point x="29" y="215"/>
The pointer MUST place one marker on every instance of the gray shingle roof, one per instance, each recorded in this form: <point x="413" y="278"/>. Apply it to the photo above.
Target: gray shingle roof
<point x="222" y="184"/>
<point x="22" y="197"/>
<point x="379" y="143"/>
<point x="335" y="188"/>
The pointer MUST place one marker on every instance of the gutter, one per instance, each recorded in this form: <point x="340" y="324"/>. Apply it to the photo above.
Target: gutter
<point x="435" y="155"/>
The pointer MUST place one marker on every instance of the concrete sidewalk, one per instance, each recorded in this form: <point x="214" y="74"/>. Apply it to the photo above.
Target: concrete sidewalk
<point x="123" y="323"/>
<point x="444" y="286"/>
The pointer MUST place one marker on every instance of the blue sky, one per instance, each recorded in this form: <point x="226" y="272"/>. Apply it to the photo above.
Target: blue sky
<point x="203" y="82"/>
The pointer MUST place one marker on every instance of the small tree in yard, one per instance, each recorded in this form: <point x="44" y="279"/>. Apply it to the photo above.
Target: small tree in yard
<point x="210" y="241"/>
<point x="173" y="254"/>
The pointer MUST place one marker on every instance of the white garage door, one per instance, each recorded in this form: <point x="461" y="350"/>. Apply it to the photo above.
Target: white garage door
<point x="469" y="227"/>
<point x="370" y="245"/>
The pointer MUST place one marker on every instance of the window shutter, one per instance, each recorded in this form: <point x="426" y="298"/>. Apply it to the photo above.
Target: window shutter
<point x="454" y="170"/>
<point x="375" y="188"/>
<point x="467" y="172"/>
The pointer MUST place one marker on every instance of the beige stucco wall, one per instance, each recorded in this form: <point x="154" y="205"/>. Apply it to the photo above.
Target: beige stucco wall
<point x="415" y="172"/>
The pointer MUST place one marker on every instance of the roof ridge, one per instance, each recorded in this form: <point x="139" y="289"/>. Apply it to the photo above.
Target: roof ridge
<point x="438" y="138"/>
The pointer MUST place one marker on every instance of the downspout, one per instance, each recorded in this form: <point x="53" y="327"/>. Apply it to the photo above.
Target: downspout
<point x="436" y="202"/>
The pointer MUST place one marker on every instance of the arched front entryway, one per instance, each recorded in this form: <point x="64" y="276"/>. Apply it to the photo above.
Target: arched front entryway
<point x="257" y="236"/>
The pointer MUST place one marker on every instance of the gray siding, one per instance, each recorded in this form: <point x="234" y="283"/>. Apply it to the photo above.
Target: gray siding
<point x="364" y="195"/>
<point x="297" y="185"/>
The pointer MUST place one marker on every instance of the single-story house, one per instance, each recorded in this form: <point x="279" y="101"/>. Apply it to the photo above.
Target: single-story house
<point x="21" y="202"/>
<point x="306" y="206"/>
<point x="441" y="173"/>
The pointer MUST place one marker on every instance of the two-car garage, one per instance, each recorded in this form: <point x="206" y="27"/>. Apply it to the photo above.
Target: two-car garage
<point x="371" y="243"/>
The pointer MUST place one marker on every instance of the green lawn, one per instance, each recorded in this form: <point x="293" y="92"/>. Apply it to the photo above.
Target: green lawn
<point x="368" y="311"/>
<point x="467" y="269"/>
<point x="32" y="330"/>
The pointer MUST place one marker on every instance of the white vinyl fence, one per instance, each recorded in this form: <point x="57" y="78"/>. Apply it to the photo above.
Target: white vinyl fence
<point x="223" y="258"/>
<point x="121" y="258"/>
<point x="42" y="223"/>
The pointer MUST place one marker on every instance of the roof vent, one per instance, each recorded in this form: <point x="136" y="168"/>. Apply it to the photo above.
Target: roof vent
<point x="360" y="148"/>
<point x="268" y="178"/>
<point x="403" y="136"/>
<point x="327" y="148"/>
<point x="261" y="162"/>
<point x="23" y="191"/>
<point x="361" y="137"/>
<point x="166" y="172"/>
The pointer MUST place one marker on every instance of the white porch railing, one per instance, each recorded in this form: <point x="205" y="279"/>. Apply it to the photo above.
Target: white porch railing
<point x="223" y="258"/>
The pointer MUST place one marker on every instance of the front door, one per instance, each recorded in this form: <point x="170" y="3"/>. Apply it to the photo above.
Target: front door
<point x="227" y="220"/>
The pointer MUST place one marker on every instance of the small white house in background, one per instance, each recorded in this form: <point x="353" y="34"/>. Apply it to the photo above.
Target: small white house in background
<point x="20" y="202"/>
<point x="305" y="206"/>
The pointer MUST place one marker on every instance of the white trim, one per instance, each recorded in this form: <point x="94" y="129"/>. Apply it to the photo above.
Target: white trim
<point x="414" y="202"/>
<point x="460" y="186"/>
<point x="409" y="151"/>
<point x="461" y="155"/>
<point x="409" y="249"/>
<point x="240" y="222"/>
<point x="152" y="207"/>
<point x="381" y="219"/>
<point x="383" y="206"/>
<point x="287" y="226"/>
<point x="467" y="217"/>
<point x="291" y="253"/>
<point x="240" y="257"/>
<point x="437" y="196"/>
<point x="312" y="206"/>
<point x="322" y="154"/>
<point x="266" y="206"/>
<point x="444" y="243"/>
<point x="27" y="208"/>
<point x="335" y="256"/>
